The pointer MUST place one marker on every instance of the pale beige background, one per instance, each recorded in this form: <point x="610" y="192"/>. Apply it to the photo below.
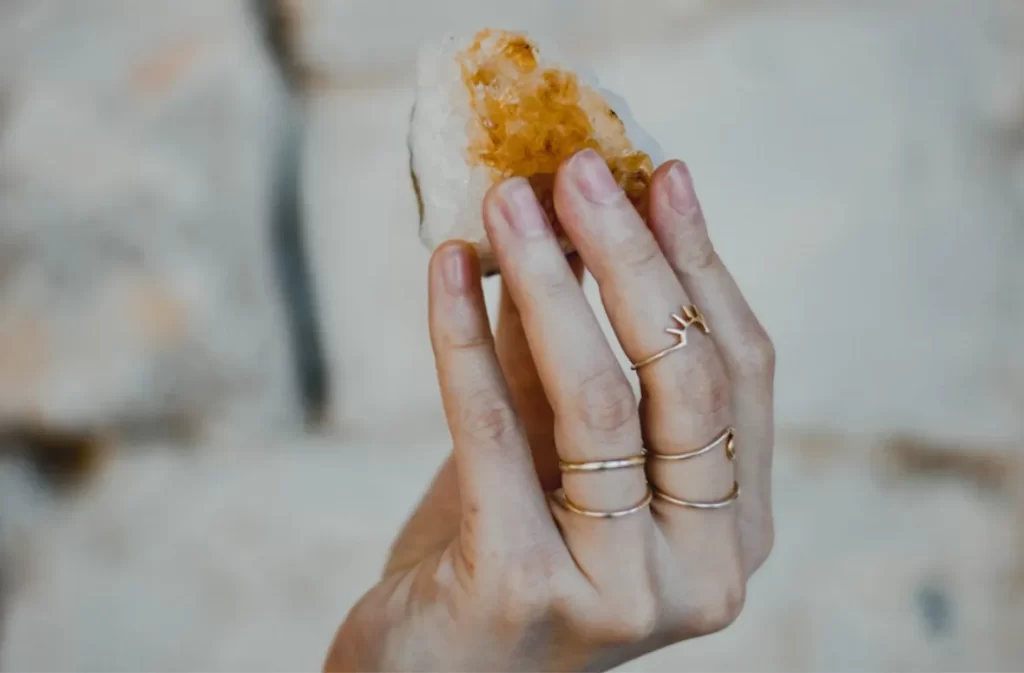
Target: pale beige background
<point x="861" y="164"/>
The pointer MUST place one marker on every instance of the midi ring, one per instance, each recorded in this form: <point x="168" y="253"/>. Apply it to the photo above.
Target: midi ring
<point x="563" y="500"/>
<point x="691" y="316"/>
<point x="701" y="504"/>
<point x="602" y="465"/>
<point x="728" y="436"/>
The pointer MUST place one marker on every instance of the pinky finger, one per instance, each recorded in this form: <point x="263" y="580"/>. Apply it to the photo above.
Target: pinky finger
<point x="678" y="224"/>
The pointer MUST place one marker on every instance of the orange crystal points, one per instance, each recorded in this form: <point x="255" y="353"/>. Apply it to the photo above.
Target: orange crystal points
<point x="530" y="119"/>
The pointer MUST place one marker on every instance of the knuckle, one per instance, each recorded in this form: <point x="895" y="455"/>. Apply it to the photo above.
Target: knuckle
<point x="525" y="593"/>
<point x="468" y="341"/>
<point x="627" y="618"/>
<point x="719" y="611"/>
<point x="757" y="358"/>
<point x="698" y="254"/>
<point x="489" y="418"/>
<point x="704" y="386"/>
<point x="606" y="405"/>
<point x="639" y="250"/>
<point x="555" y="283"/>
<point x="631" y="623"/>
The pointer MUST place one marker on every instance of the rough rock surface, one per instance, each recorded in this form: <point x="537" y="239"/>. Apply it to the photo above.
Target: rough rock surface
<point x="137" y="142"/>
<point x="861" y="195"/>
<point x="136" y="576"/>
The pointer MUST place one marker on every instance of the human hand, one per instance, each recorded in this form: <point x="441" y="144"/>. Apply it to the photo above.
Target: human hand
<point x="521" y="579"/>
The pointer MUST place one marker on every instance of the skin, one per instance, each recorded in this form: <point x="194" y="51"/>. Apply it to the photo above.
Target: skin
<point x="491" y="572"/>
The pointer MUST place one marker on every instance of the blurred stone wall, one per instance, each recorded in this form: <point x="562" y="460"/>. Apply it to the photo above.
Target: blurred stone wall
<point x="857" y="160"/>
<point x="834" y="143"/>
<point x="137" y="155"/>
<point x="862" y="165"/>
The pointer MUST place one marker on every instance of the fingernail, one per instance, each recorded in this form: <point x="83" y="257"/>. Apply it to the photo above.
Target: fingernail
<point x="520" y="209"/>
<point x="455" y="269"/>
<point x="681" y="196"/>
<point x="592" y="177"/>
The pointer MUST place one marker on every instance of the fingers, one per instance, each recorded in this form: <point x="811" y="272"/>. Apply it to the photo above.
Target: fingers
<point x="525" y="385"/>
<point x="495" y="473"/>
<point x="678" y="224"/>
<point x="686" y="394"/>
<point x="595" y="415"/>
<point x="594" y="408"/>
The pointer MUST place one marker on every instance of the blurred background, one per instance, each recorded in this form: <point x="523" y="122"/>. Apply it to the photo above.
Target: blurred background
<point x="217" y="400"/>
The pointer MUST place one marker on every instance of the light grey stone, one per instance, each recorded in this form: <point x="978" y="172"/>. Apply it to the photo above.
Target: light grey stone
<point x="136" y="159"/>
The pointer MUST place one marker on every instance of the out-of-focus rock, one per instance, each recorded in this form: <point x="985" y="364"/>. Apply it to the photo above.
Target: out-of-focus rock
<point x="136" y="281"/>
<point x="366" y="44"/>
<point x="867" y="573"/>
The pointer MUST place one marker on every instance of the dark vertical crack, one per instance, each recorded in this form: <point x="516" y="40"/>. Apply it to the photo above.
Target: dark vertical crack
<point x="287" y="227"/>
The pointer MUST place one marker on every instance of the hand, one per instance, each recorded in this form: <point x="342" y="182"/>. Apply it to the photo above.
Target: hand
<point x="492" y="573"/>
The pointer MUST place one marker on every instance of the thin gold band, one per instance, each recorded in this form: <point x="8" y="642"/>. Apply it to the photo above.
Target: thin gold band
<point x="702" y="504"/>
<point x="728" y="436"/>
<point x="691" y="316"/>
<point x="657" y="356"/>
<point x="563" y="500"/>
<point x="602" y="465"/>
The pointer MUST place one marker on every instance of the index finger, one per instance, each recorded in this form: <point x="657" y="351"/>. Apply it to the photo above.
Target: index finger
<point x="496" y="477"/>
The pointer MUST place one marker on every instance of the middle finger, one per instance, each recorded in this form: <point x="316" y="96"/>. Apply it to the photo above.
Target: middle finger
<point x="685" y="394"/>
<point x="595" y="416"/>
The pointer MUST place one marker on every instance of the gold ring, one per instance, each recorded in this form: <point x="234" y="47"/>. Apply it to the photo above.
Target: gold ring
<point x="691" y="316"/>
<point x="563" y="500"/>
<point x="728" y="436"/>
<point x="702" y="504"/>
<point x="602" y="465"/>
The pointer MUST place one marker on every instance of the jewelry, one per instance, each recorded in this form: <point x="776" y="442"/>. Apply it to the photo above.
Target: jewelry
<point x="691" y="316"/>
<point x="564" y="501"/>
<point x="602" y="465"/>
<point x="728" y="436"/>
<point x="702" y="504"/>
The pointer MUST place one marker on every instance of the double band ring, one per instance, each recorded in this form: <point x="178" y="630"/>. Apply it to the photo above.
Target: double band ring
<point x="727" y="438"/>
<point x="603" y="466"/>
<point x="691" y="317"/>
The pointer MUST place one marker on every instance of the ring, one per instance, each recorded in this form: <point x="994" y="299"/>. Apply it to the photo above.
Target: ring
<point x="563" y="500"/>
<point x="691" y="316"/>
<point x="702" y="504"/>
<point x="728" y="436"/>
<point x="602" y="465"/>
